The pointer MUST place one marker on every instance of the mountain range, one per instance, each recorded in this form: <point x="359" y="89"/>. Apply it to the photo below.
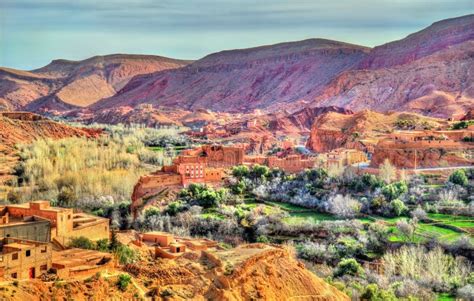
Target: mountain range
<point x="428" y="72"/>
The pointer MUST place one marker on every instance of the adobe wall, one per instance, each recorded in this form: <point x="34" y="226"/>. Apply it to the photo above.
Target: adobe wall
<point x="290" y="164"/>
<point x="39" y="259"/>
<point x="61" y="220"/>
<point x="94" y="231"/>
<point x="37" y="231"/>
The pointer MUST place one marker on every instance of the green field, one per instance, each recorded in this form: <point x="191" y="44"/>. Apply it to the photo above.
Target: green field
<point x="454" y="220"/>
<point x="311" y="217"/>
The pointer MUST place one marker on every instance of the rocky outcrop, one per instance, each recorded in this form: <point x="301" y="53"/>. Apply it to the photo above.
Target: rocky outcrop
<point x="64" y="84"/>
<point x="248" y="272"/>
<point x="422" y="157"/>
<point x="362" y="130"/>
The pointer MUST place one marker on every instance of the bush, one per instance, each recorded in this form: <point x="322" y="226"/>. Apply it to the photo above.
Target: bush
<point x="348" y="267"/>
<point x="459" y="177"/>
<point x="14" y="197"/>
<point x="398" y="207"/>
<point x="67" y="197"/>
<point x="82" y="242"/>
<point x="240" y="171"/>
<point x="102" y="245"/>
<point x="344" y="206"/>
<point x="394" y="190"/>
<point x="123" y="281"/>
<point x="125" y="254"/>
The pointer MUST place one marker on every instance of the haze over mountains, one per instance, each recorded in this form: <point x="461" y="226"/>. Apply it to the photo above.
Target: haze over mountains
<point x="429" y="72"/>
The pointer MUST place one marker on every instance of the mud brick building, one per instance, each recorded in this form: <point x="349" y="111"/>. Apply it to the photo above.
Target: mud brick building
<point x="65" y="224"/>
<point x="23" y="259"/>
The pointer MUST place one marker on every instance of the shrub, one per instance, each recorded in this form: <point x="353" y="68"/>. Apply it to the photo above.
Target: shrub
<point x="348" y="267"/>
<point x="434" y="268"/>
<point x="82" y="242"/>
<point x="387" y="171"/>
<point x="102" y="245"/>
<point x="258" y="171"/>
<point x="459" y="177"/>
<point x="240" y="171"/>
<point x="419" y="213"/>
<point x="14" y="196"/>
<point x="343" y="206"/>
<point x="67" y="197"/>
<point x="398" y="207"/>
<point x="394" y="190"/>
<point x="123" y="281"/>
<point x="125" y="254"/>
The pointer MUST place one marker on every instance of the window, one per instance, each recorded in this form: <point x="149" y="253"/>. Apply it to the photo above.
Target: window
<point x="15" y="256"/>
<point x="44" y="249"/>
<point x="69" y="216"/>
<point x="44" y="267"/>
<point x="14" y="275"/>
<point x="28" y="253"/>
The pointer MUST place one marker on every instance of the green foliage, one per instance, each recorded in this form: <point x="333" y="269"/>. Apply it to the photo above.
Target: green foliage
<point x="348" y="267"/>
<point x="239" y="187"/>
<point x="175" y="207"/>
<point x="240" y="171"/>
<point x="123" y="281"/>
<point x="462" y="124"/>
<point x="151" y="211"/>
<point x="102" y="245"/>
<point x="202" y="195"/>
<point x="125" y="254"/>
<point x="459" y="177"/>
<point x="263" y="239"/>
<point x="259" y="171"/>
<point x="373" y="293"/>
<point x="82" y="242"/>
<point x="398" y="207"/>
<point x="394" y="190"/>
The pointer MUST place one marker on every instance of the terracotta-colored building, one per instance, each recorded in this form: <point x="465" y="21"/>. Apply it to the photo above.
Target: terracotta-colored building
<point x="65" y="224"/>
<point x="24" y="259"/>
<point x="168" y="246"/>
<point x="339" y="158"/>
<point x="80" y="262"/>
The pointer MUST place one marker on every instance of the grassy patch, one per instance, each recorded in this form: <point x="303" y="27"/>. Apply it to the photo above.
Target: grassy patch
<point x="311" y="217"/>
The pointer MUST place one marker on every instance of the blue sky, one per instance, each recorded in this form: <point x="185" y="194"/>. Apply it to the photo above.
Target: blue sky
<point x="34" y="32"/>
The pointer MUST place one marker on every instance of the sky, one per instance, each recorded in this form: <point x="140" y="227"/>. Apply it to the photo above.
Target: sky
<point x="34" y="32"/>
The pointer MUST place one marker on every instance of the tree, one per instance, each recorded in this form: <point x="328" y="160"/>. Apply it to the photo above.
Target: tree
<point x="259" y="171"/>
<point x="114" y="243"/>
<point x="343" y="206"/>
<point x="348" y="267"/>
<point x="419" y="213"/>
<point x="67" y="197"/>
<point x="398" y="207"/>
<point x="459" y="177"/>
<point x="240" y="171"/>
<point x="387" y="171"/>
<point x="394" y="190"/>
